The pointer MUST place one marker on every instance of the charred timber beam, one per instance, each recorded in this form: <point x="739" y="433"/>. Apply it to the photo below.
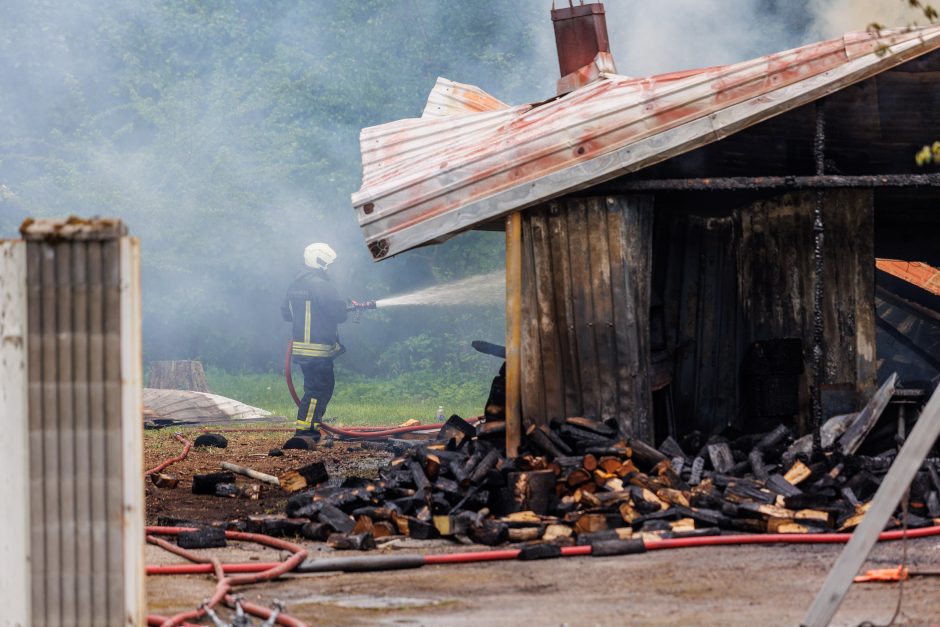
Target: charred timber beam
<point x="785" y="183"/>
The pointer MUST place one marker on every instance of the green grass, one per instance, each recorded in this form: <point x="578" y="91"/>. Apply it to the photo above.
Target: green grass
<point x="358" y="400"/>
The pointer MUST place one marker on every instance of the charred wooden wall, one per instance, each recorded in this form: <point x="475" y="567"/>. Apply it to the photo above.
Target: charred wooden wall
<point x="777" y="282"/>
<point x="743" y="272"/>
<point x="585" y="336"/>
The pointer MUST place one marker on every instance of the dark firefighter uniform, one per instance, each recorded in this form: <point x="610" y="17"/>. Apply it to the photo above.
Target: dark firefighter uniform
<point x="314" y="308"/>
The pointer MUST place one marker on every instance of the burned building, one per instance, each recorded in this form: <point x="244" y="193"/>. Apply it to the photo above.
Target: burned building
<point x="694" y="250"/>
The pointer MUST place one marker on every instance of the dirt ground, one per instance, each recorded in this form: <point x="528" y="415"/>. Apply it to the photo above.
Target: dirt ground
<point x="771" y="585"/>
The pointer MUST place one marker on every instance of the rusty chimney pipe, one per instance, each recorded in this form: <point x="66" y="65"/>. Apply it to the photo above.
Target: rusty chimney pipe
<point x="580" y="33"/>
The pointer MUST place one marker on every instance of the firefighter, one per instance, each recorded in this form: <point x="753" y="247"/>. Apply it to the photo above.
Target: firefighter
<point x="314" y="309"/>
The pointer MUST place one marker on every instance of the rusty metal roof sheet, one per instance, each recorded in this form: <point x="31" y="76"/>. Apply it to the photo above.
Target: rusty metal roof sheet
<point x="916" y="273"/>
<point x="471" y="158"/>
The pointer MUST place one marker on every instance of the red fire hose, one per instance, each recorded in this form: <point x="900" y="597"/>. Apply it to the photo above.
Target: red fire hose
<point x="186" y="446"/>
<point x="356" y="432"/>
<point x="572" y="551"/>
<point x="226" y="583"/>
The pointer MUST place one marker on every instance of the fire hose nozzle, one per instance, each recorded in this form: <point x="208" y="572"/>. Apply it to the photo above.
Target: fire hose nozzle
<point x="355" y="305"/>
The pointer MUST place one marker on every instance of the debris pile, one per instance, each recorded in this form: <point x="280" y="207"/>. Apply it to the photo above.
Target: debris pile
<point x="580" y="483"/>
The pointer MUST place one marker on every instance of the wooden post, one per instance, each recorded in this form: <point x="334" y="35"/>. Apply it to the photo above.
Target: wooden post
<point x="513" y="333"/>
<point x="15" y="596"/>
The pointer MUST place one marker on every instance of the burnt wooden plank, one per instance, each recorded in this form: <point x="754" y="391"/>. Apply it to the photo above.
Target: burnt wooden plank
<point x="532" y="375"/>
<point x="564" y="307"/>
<point x="583" y="306"/>
<point x="630" y="241"/>
<point x="602" y="320"/>
<point x="548" y="319"/>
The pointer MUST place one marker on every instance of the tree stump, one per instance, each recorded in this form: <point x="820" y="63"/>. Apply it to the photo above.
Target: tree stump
<point x="178" y="375"/>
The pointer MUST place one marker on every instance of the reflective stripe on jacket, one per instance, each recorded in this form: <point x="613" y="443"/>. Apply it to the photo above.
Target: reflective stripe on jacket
<point x="314" y="309"/>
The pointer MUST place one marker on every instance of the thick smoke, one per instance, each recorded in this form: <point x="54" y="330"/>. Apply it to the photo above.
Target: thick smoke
<point x="834" y="17"/>
<point x="226" y="134"/>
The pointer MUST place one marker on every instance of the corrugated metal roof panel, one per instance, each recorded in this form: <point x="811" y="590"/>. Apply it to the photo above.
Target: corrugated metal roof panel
<point x="426" y="179"/>
<point x="922" y="275"/>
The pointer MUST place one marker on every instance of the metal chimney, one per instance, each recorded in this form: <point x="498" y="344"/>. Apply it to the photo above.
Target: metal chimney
<point x="580" y="34"/>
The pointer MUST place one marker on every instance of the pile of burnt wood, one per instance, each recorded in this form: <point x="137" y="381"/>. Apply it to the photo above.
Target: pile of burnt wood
<point x="578" y="478"/>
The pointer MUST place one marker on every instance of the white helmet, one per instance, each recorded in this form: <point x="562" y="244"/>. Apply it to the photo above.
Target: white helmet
<point x="319" y="255"/>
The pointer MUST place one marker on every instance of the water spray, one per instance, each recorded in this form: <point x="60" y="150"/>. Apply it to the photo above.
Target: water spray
<point x="482" y="289"/>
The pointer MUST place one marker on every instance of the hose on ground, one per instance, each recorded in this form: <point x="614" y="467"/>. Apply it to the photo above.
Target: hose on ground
<point x="224" y="582"/>
<point x="378" y="563"/>
<point x="186" y="446"/>
<point x="355" y="432"/>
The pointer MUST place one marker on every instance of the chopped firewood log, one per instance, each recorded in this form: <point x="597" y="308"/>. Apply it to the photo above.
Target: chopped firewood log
<point x="455" y="431"/>
<point x="600" y="477"/>
<point x="417" y="473"/>
<point x="682" y="525"/>
<point x="351" y="542"/>
<point x="486" y="464"/>
<point x="610" y="464"/>
<point x="524" y="534"/>
<point x="336" y="518"/>
<point x="589" y="523"/>
<point x="590" y="486"/>
<point x="582" y="438"/>
<point x="489" y="532"/>
<point x="866" y="419"/>
<point x="363" y="525"/>
<point x="531" y="490"/>
<point x="491" y="428"/>
<point x="383" y="529"/>
<point x="316" y="531"/>
<point x="674" y="497"/>
<point x="589" y="463"/>
<point x="626" y="468"/>
<point x="539" y="551"/>
<point x="557" y="441"/>
<point x="765" y="510"/>
<point x="781" y="486"/>
<point x="644" y="495"/>
<point x="594" y="426"/>
<point x="813" y="515"/>
<point x="671" y="449"/>
<point x="557" y="531"/>
<point x="773" y="439"/>
<point x="665" y="471"/>
<point x="205" y="484"/>
<point x="586" y="499"/>
<point x="628" y="512"/>
<point x="695" y="474"/>
<point x="787" y="525"/>
<point x="204" y="538"/>
<point x="304" y="477"/>
<point x="164" y="480"/>
<point x="280" y="526"/>
<point x="720" y="456"/>
<point x="756" y="460"/>
<point x="645" y="455"/>
<point x="743" y="491"/>
<point x="450" y="525"/>
<point x="542" y="442"/>
<point x="577" y="477"/>
<point x="798" y="473"/>
<point x="432" y="466"/>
